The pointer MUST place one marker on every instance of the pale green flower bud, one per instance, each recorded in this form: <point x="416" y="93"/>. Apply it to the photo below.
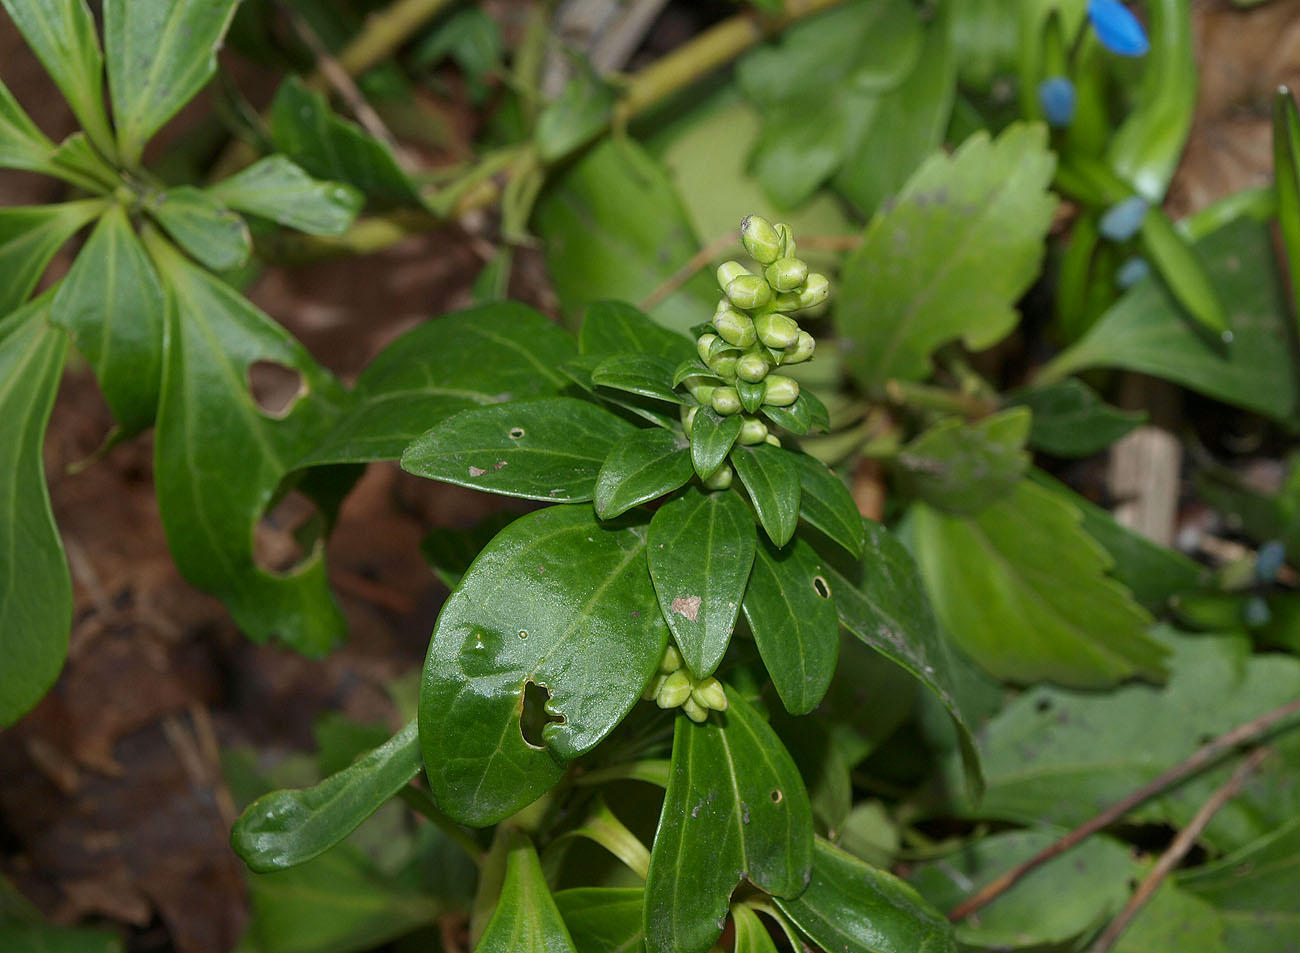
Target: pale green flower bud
<point x="752" y="431"/>
<point x="671" y="661"/>
<point x="735" y="328"/>
<point x="720" y="479"/>
<point x="729" y="271"/>
<point x="773" y="439"/>
<point x="752" y="367"/>
<point x="801" y="350"/>
<point x="702" y="345"/>
<point x="701" y="388"/>
<point x="695" y="711"/>
<point x="676" y="689"/>
<point x="724" y="304"/>
<point x="776" y="330"/>
<point x="652" y="690"/>
<point x="710" y="694"/>
<point x="787" y="240"/>
<point x="781" y="391"/>
<point x="724" y="364"/>
<point x="760" y="239"/>
<point x="786" y="301"/>
<point x="786" y="274"/>
<point x="749" y="292"/>
<point x="725" y="401"/>
<point x="688" y="418"/>
<point x="814" y="290"/>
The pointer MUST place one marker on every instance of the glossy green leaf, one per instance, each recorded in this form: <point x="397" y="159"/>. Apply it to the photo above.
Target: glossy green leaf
<point x="548" y="449"/>
<point x="29" y="237"/>
<point x="113" y="304"/>
<point x="790" y="606"/>
<point x="856" y="908"/>
<point x="614" y="327"/>
<point x="1286" y="183"/>
<point x="77" y="161"/>
<point x="205" y="228"/>
<point x="1066" y="898"/>
<point x="1070" y="420"/>
<point x="960" y="468"/>
<point x="643" y="466"/>
<point x="1009" y="561"/>
<point x="62" y="35"/>
<point x="797" y="418"/>
<point x="35" y="589"/>
<point x="22" y="144"/>
<point x="701" y="551"/>
<point x="1145" y="331"/>
<point x="751" y="935"/>
<point x="735" y="808"/>
<point x="884" y="604"/>
<point x="579" y="114"/>
<point x="485" y="355"/>
<point x="712" y="437"/>
<point x="603" y="919"/>
<point x="613" y="228"/>
<point x="276" y="189"/>
<point x="526" y="919"/>
<point x="160" y="54"/>
<point x="285" y="828"/>
<point x="950" y="257"/>
<point x="579" y="371"/>
<point x="326" y="146"/>
<point x="826" y="504"/>
<point x="771" y="478"/>
<point x="644" y="374"/>
<point x="558" y="600"/>
<point x="1177" y="261"/>
<point x="219" y="457"/>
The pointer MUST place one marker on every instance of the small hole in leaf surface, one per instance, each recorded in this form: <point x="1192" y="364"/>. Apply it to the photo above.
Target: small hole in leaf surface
<point x="287" y="533"/>
<point x="516" y="433"/>
<point x="822" y="587"/>
<point x="777" y="796"/>
<point x="275" y="387"/>
<point x="533" y="716"/>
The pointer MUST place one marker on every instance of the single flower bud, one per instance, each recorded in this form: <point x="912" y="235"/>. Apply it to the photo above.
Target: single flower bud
<point x="781" y="391"/>
<point x="749" y="292"/>
<point x="701" y="388"/>
<point x="752" y="367"/>
<point x="671" y="661"/>
<point x="814" y="290"/>
<point x="752" y="431"/>
<point x="702" y="345"/>
<point x="675" y="689"/>
<point x="786" y="274"/>
<point x="773" y="439"/>
<point x="688" y="418"/>
<point x="724" y="364"/>
<point x="776" y="330"/>
<point x="729" y="271"/>
<point x="785" y="301"/>
<point x="787" y="240"/>
<point x="735" y="328"/>
<point x="760" y="239"/>
<point x="720" y="479"/>
<point x="725" y="401"/>
<point x="801" y="350"/>
<point x="724" y="304"/>
<point x="710" y="693"/>
<point x="652" y="689"/>
<point x="695" y="711"/>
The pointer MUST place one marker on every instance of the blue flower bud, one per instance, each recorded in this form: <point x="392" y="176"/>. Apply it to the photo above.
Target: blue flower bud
<point x="1122" y="220"/>
<point x="1256" y="613"/>
<point x="1117" y="28"/>
<point x="1269" y="561"/>
<point x="1056" y="96"/>
<point x="1131" y="272"/>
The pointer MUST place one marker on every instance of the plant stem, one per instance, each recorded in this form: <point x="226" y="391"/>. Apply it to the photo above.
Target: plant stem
<point x="382" y="34"/>
<point x="910" y="394"/>
<point x="1199" y="759"/>
<point x="1177" y="850"/>
<point x="419" y="801"/>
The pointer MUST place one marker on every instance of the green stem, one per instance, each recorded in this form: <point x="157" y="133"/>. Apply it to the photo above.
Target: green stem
<point x="383" y="33"/>
<point x="421" y="802"/>
<point x="910" y="394"/>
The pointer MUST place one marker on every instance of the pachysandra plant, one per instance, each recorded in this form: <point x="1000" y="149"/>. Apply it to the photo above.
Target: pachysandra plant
<point x="689" y="548"/>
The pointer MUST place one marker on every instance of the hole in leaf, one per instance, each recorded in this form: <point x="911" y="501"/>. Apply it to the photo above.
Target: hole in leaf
<point x="823" y="589"/>
<point x="275" y="387"/>
<point x="777" y="796"/>
<point x="287" y="533"/>
<point x="516" y="433"/>
<point x="1043" y="705"/>
<point x="533" y="716"/>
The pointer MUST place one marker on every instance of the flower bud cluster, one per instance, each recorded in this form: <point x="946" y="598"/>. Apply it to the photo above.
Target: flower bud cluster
<point x="673" y="686"/>
<point x="753" y="333"/>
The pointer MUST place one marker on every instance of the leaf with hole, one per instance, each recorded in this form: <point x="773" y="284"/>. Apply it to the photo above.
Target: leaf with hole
<point x="644" y="374"/>
<point x="643" y="466"/>
<point x="961" y="467"/>
<point x="280" y="191"/>
<point x="826" y="504"/>
<point x="548" y="449"/>
<point x="560" y="601"/>
<point x="29" y="237"/>
<point x="771" y="479"/>
<point x="526" y="919"/>
<point x="202" y="226"/>
<point x="712" y="437"/>
<point x="735" y="809"/>
<point x="615" y="327"/>
<point x="701" y="551"/>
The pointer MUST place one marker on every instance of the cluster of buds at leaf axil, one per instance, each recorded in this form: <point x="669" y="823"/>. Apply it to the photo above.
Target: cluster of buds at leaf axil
<point x="673" y="686"/>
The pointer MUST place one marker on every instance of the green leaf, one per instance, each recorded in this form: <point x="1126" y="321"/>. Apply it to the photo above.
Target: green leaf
<point x="113" y="304"/>
<point x="771" y="479"/>
<point x="485" y="355"/>
<point x="579" y="370"/>
<point x="797" y="418"/>
<point x="29" y="237"/>
<point x="1070" y="420"/>
<point x="950" y="257"/>
<point x="549" y="449"/>
<point x="204" y="227"/>
<point x="526" y="919"/>
<point x="1178" y="263"/>
<point x="49" y="938"/>
<point x="160" y="54"/>
<point x="603" y="919"/>
<point x="276" y="189"/>
<point x="613" y="227"/>
<point x="856" y="908"/>
<point x="735" y="808"/>
<point x="1174" y="919"/>
<point x="22" y="144"/>
<point x="285" y="828"/>
<point x="712" y="437"/>
<point x="613" y="327"/>
<point x="579" y="114"/>
<point x="35" y="589"/>
<point x="557" y="600"/>
<point x="62" y="35"/>
<point x="219" y="457"/>
<point x="77" y="161"/>
<point x="884" y="604"/>
<point x="790" y="606"/>
<point x="1286" y="184"/>
<point x="644" y="374"/>
<point x="1146" y="331"/>
<point x="1011" y="560"/>
<point x="751" y="935"/>
<point x="701" y="551"/>
<point x="305" y="129"/>
<point x="826" y="504"/>
<point x="961" y="468"/>
<point x="1067" y="897"/>
<point x="643" y="466"/>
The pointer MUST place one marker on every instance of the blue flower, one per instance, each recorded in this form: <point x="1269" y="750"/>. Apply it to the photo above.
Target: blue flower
<point x="1122" y="220"/>
<point x="1117" y="28"/>
<point x="1056" y="95"/>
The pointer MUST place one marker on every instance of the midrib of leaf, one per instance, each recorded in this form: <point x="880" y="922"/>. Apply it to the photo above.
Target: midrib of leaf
<point x="738" y="806"/>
